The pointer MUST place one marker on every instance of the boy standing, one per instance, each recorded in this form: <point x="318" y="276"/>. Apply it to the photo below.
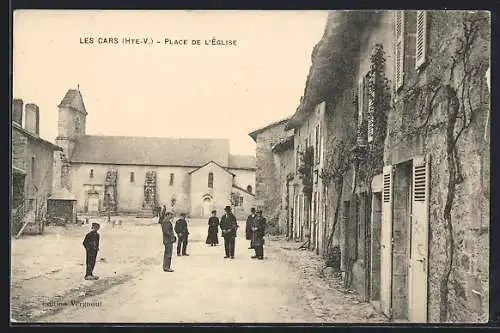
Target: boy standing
<point x="91" y="244"/>
<point x="181" y="228"/>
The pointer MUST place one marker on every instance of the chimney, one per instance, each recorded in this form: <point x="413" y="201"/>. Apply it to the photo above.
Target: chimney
<point x="32" y="118"/>
<point x="17" y="111"/>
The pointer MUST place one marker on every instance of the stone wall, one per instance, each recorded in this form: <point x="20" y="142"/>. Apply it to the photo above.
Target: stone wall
<point x="267" y="183"/>
<point x="19" y="149"/>
<point x="468" y="286"/>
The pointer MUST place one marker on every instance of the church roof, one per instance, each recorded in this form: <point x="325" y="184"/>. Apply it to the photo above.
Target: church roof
<point x="242" y="162"/>
<point x="128" y="150"/>
<point x="73" y="99"/>
<point x="208" y="163"/>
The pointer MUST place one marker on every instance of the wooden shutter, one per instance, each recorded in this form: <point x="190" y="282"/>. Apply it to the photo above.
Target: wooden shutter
<point x="418" y="274"/>
<point x="399" y="48"/>
<point x="386" y="242"/>
<point x="371" y="105"/>
<point x="421" y="39"/>
<point x="361" y="108"/>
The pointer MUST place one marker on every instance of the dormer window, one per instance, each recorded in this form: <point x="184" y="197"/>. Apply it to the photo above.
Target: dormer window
<point x="249" y="188"/>
<point x="210" y="180"/>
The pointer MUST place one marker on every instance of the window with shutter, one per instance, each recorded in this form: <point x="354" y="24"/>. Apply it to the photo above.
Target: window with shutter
<point x="361" y="113"/>
<point x="321" y="144"/>
<point x="316" y="144"/>
<point x="421" y="39"/>
<point x="371" y="105"/>
<point x="399" y="49"/>
<point x="386" y="242"/>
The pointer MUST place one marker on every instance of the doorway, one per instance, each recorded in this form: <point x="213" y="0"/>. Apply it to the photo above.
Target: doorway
<point x="93" y="203"/>
<point x="207" y="203"/>
<point x="401" y="236"/>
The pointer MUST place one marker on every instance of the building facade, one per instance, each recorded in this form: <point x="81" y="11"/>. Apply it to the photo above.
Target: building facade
<point x="269" y="188"/>
<point x="132" y="175"/>
<point x="405" y="167"/>
<point x="32" y="167"/>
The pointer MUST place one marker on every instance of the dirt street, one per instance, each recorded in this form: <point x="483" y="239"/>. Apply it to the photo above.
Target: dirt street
<point x="205" y="287"/>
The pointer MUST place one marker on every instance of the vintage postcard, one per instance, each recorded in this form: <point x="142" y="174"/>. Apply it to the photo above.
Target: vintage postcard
<point x="175" y="166"/>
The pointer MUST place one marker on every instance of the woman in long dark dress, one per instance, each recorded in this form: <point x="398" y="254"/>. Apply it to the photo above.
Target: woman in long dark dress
<point x="213" y="229"/>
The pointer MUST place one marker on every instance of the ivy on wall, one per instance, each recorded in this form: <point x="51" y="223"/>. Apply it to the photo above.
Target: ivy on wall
<point x="369" y="159"/>
<point x="447" y="101"/>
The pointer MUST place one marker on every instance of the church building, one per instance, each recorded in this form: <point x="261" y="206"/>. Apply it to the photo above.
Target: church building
<point x="130" y="175"/>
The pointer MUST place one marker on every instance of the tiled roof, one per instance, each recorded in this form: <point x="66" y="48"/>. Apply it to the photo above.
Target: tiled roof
<point x="33" y="136"/>
<point x="242" y="162"/>
<point x="68" y="98"/>
<point x="73" y="99"/>
<point x="253" y="134"/>
<point x="130" y="150"/>
<point x="201" y="167"/>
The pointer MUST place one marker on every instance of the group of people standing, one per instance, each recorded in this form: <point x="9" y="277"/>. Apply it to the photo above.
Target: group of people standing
<point x="255" y="231"/>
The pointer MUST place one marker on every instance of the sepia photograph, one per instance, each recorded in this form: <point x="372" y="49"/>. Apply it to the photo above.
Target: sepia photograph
<point x="250" y="166"/>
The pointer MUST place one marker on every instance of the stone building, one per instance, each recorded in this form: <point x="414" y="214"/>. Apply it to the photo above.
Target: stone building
<point x="32" y="172"/>
<point x="406" y="158"/>
<point x="284" y="158"/>
<point x="268" y="189"/>
<point x="308" y="190"/>
<point x="130" y="175"/>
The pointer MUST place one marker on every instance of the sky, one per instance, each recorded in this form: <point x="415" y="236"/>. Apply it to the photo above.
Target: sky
<point x="162" y="89"/>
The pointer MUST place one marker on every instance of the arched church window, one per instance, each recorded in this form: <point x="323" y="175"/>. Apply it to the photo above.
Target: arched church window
<point x="249" y="188"/>
<point x="210" y="180"/>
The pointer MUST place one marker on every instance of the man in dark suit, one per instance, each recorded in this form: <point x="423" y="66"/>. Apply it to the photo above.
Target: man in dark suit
<point x="168" y="240"/>
<point x="181" y="229"/>
<point x="91" y="244"/>
<point x="248" y="227"/>
<point x="258" y="231"/>
<point x="229" y="227"/>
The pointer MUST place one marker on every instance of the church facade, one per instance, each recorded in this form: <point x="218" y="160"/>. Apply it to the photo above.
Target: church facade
<point x="131" y="175"/>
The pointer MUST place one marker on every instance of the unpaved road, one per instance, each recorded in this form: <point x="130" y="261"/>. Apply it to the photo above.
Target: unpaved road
<point x="205" y="287"/>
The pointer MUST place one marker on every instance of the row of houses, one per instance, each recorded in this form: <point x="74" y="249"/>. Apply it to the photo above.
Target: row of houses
<point x="385" y="163"/>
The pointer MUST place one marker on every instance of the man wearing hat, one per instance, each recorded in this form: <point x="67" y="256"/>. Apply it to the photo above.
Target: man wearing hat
<point x="248" y="227"/>
<point x="168" y="240"/>
<point x="91" y="244"/>
<point x="181" y="229"/>
<point x="229" y="226"/>
<point x="258" y="231"/>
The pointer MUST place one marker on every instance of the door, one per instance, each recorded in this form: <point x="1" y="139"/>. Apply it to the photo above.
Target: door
<point x="386" y="243"/>
<point x="206" y="208"/>
<point x="93" y="204"/>
<point x="418" y="265"/>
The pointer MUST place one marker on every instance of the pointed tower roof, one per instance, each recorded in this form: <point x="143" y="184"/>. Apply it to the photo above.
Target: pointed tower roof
<point x="73" y="99"/>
